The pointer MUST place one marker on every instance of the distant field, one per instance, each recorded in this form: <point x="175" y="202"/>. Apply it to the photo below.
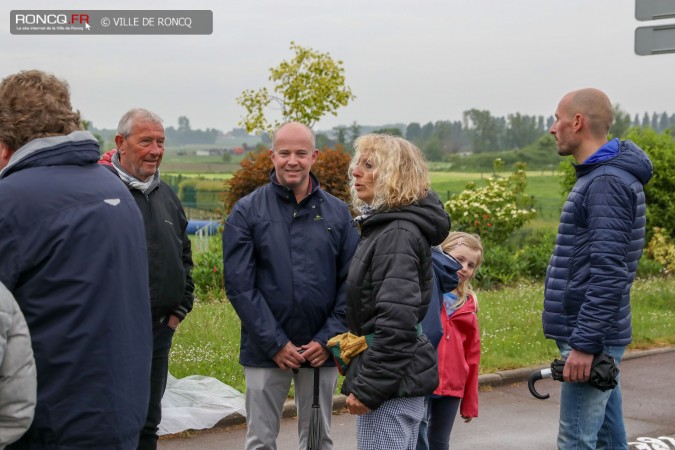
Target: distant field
<point x="199" y="168"/>
<point x="542" y="186"/>
<point x="200" y="175"/>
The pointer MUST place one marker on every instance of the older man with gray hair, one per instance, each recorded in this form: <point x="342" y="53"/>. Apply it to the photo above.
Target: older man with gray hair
<point x="140" y="147"/>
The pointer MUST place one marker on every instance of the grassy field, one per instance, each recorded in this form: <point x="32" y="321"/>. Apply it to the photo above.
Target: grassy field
<point x="207" y="342"/>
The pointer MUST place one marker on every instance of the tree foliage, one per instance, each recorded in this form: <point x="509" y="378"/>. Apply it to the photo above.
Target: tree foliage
<point x="621" y="122"/>
<point x="309" y="86"/>
<point x="254" y="172"/>
<point x="330" y="168"/>
<point x="522" y="130"/>
<point x="391" y="131"/>
<point x="660" y="191"/>
<point x="484" y="130"/>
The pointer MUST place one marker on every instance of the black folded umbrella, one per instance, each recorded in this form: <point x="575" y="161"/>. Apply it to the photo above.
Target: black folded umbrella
<point x="315" y="424"/>
<point x="604" y="374"/>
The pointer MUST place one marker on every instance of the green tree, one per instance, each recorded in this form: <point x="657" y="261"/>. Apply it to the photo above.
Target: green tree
<point x="391" y="131"/>
<point x="183" y="123"/>
<point x="413" y="132"/>
<point x="340" y="134"/>
<point x="322" y="140"/>
<point x="660" y="191"/>
<point x="621" y="123"/>
<point x="354" y="131"/>
<point x="309" y="86"/>
<point x="483" y="129"/>
<point x="86" y="124"/>
<point x="427" y="130"/>
<point x="645" y="120"/>
<point x="433" y="151"/>
<point x="522" y="130"/>
<point x="664" y="123"/>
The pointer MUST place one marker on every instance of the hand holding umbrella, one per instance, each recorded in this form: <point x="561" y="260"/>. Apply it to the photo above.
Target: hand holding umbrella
<point x="604" y="374"/>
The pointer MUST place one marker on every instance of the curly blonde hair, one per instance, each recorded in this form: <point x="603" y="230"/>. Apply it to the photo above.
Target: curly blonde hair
<point x="400" y="172"/>
<point x="35" y="104"/>
<point x="472" y="241"/>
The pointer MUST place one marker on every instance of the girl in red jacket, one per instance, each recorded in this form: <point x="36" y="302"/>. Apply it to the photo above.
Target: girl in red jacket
<point x="459" y="348"/>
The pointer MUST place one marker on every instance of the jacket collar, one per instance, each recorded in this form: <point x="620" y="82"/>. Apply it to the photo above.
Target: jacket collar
<point x="51" y="147"/>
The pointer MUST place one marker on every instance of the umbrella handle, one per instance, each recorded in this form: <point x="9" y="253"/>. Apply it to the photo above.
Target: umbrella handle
<point x="536" y="376"/>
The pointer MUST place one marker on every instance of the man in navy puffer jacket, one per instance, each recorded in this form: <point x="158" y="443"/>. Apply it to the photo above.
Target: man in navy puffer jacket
<point x="588" y="280"/>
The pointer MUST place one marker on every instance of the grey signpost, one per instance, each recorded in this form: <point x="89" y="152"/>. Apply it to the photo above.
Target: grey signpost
<point x="653" y="40"/>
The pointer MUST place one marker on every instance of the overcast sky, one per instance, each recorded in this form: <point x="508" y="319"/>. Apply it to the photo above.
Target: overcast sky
<point x="405" y="60"/>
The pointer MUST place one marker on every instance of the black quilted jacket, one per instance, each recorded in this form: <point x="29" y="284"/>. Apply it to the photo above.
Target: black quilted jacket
<point x="388" y="292"/>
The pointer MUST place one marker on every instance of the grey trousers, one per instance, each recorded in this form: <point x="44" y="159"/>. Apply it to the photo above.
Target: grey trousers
<point x="267" y="390"/>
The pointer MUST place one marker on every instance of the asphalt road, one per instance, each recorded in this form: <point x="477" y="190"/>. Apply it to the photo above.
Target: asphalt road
<point x="510" y="418"/>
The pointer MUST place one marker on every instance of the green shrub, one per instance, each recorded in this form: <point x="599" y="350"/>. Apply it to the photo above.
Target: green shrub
<point x="524" y="256"/>
<point x="208" y="271"/>
<point x="661" y="249"/>
<point x="648" y="268"/>
<point x="660" y="191"/>
<point x="533" y="254"/>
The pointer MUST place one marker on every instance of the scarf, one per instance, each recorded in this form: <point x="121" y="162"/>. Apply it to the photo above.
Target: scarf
<point x="133" y="182"/>
<point x="365" y="212"/>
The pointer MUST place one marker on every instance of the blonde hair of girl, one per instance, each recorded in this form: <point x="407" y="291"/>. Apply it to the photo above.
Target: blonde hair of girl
<point x="472" y="241"/>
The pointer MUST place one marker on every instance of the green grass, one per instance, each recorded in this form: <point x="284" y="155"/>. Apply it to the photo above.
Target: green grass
<point x="207" y="342"/>
<point x="510" y="321"/>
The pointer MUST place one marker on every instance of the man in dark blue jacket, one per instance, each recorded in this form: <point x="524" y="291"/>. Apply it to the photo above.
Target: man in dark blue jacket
<point x="286" y="250"/>
<point x="72" y="251"/>
<point x="588" y="280"/>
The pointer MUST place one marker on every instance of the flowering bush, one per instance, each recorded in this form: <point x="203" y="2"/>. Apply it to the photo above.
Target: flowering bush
<point x="494" y="211"/>
<point x="661" y="249"/>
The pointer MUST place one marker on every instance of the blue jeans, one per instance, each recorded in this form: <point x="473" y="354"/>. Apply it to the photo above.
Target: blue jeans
<point x="589" y="418"/>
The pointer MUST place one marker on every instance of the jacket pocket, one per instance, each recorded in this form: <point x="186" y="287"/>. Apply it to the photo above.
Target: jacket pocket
<point x="421" y="375"/>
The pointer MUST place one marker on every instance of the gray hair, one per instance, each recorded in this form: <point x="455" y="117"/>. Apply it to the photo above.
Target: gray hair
<point x="125" y="127"/>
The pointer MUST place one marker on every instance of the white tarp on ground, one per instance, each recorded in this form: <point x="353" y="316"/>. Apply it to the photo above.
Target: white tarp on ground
<point x="197" y="402"/>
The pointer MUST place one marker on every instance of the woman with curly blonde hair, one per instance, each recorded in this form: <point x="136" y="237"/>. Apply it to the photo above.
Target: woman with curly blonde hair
<point x="388" y="291"/>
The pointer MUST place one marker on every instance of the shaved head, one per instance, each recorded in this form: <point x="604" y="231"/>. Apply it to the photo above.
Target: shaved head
<point x="595" y="106"/>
